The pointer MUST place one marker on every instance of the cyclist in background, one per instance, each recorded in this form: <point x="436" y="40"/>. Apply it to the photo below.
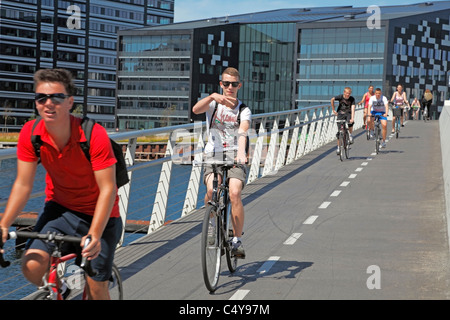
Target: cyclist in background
<point x="81" y="195"/>
<point x="345" y="111"/>
<point x="415" y="105"/>
<point x="225" y="136"/>
<point x="400" y="101"/>
<point x="378" y="106"/>
<point x="427" y="99"/>
<point x="365" y="100"/>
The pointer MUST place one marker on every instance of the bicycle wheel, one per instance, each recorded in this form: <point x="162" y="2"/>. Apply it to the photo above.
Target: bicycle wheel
<point x="347" y="145"/>
<point x="41" y="294"/>
<point x="115" y="284"/>
<point x="377" y="139"/>
<point x="229" y="234"/>
<point x="341" y="146"/>
<point x="368" y="133"/>
<point x="210" y="247"/>
<point x="397" y="127"/>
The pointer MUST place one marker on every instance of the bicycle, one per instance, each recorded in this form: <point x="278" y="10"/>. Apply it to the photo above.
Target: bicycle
<point x="425" y="113"/>
<point x="377" y="132"/>
<point x="397" y="112"/>
<point x="217" y="230"/>
<point x="51" y="288"/>
<point x="344" y="139"/>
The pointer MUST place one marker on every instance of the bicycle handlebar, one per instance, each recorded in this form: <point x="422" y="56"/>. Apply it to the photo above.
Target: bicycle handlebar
<point x="50" y="237"/>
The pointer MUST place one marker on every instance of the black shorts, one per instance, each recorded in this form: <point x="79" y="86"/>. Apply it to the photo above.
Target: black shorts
<point x="344" y="116"/>
<point x="59" y="219"/>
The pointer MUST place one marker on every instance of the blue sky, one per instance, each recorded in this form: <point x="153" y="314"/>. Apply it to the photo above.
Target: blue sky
<point x="187" y="10"/>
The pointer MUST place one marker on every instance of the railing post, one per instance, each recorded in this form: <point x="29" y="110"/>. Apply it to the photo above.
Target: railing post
<point x="282" y="150"/>
<point x="160" y="206"/>
<point x="294" y="140"/>
<point x="311" y="133"/>
<point x="190" y="202"/>
<point x="124" y="191"/>
<point x="302" y="142"/>
<point x="257" y="153"/>
<point x="268" y="164"/>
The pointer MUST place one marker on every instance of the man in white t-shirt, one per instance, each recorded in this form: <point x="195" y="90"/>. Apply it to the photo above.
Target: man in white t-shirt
<point x="228" y="122"/>
<point x="378" y="106"/>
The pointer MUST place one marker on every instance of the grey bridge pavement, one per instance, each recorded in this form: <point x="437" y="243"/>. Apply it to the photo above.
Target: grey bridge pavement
<point x="370" y="227"/>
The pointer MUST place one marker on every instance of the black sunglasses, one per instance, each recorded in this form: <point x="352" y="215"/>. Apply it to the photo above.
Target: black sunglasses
<point x="227" y="83"/>
<point x="57" y="98"/>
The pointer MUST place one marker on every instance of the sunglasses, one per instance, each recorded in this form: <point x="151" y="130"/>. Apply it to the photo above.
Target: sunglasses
<point x="56" y="98"/>
<point x="227" y="83"/>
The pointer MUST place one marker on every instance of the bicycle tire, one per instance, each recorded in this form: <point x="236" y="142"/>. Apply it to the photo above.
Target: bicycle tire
<point x="397" y="130"/>
<point x="229" y="234"/>
<point x="347" y="145"/>
<point x="115" y="286"/>
<point x="341" y="146"/>
<point x="377" y="139"/>
<point x="368" y="133"/>
<point x="41" y="294"/>
<point x="211" y="252"/>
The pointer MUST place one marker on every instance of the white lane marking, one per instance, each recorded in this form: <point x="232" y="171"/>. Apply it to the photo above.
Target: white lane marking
<point x="352" y="176"/>
<point x="335" y="193"/>
<point x="364" y="164"/>
<point x="239" y="295"/>
<point x="359" y="169"/>
<point x="345" y="183"/>
<point x="369" y="159"/>
<point x="310" y="220"/>
<point x="373" y="154"/>
<point x="267" y="265"/>
<point x="292" y="239"/>
<point x="324" y="205"/>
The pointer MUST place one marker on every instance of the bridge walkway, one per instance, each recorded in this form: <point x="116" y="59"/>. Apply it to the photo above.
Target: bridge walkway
<point x="370" y="227"/>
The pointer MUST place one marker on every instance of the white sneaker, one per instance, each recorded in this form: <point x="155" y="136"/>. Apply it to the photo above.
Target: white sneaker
<point x="338" y="151"/>
<point x="383" y="144"/>
<point x="350" y="138"/>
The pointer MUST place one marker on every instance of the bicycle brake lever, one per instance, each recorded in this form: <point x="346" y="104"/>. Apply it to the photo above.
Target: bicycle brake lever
<point x="85" y="263"/>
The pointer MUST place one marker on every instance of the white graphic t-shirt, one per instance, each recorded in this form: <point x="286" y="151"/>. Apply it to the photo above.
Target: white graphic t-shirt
<point x="378" y="105"/>
<point x="223" y="134"/>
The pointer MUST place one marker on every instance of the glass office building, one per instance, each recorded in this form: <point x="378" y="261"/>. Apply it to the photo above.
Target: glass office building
<point x="288" y="58"/>
<point x="80" y="36"/>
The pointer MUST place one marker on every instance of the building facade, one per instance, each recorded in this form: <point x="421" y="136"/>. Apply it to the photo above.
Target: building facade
<point x="292" y="58"/>
<point x="80" y="36"/>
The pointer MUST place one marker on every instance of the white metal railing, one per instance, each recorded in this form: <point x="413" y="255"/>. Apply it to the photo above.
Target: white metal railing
<point x="276" y="139"/>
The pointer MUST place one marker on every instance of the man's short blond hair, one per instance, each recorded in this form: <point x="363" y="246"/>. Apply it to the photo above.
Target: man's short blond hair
<point x="232" y="72"/>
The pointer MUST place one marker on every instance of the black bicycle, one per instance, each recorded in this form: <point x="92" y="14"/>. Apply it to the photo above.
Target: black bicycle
<point x="377" y="132"/>
<point x="217" y="231"/>
<point x="344" y="139"/>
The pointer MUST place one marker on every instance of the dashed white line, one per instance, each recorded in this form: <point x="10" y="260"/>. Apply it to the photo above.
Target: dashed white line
<point x="352" y="176"/>
<point x="310" y="220"/>
<point x="359" y="169"/>
<point x="335" y="193"/>
<point x="239" y="295"/>
<point x="345" y="183"/>
<point x="267" y="265"/>
<point x="292" y="239"/>
<point x="324" y="205"/>
<point x="364" y="164"/>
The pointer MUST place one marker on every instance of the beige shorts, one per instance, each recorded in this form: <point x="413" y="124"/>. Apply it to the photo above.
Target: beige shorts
<point x="239" y="171"/>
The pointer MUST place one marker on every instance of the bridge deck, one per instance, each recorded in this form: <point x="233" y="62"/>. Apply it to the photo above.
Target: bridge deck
<point x="371" y="221"/>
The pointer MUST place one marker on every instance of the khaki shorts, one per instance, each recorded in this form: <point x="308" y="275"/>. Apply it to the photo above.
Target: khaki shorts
<point x="239" y="171"/>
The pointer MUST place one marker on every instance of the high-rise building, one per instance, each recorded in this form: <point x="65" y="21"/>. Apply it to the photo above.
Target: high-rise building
<point x="288" y="58"/>
<point x="78" y="35"/>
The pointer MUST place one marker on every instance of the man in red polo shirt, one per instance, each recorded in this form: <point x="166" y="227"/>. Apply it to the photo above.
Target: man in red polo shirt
<point x="81" y="195"/>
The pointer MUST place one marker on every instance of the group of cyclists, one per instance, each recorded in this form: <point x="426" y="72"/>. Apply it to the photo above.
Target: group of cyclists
<point x="81" y="193"/>
<point x="376" y="104"/>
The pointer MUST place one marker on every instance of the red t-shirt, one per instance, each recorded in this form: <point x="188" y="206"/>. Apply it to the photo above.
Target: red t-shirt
<point x="70" y="179"/>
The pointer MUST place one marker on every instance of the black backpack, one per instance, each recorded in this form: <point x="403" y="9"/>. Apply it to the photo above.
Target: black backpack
<point x="87" y="124"/>
<point x="241" y="107"/>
